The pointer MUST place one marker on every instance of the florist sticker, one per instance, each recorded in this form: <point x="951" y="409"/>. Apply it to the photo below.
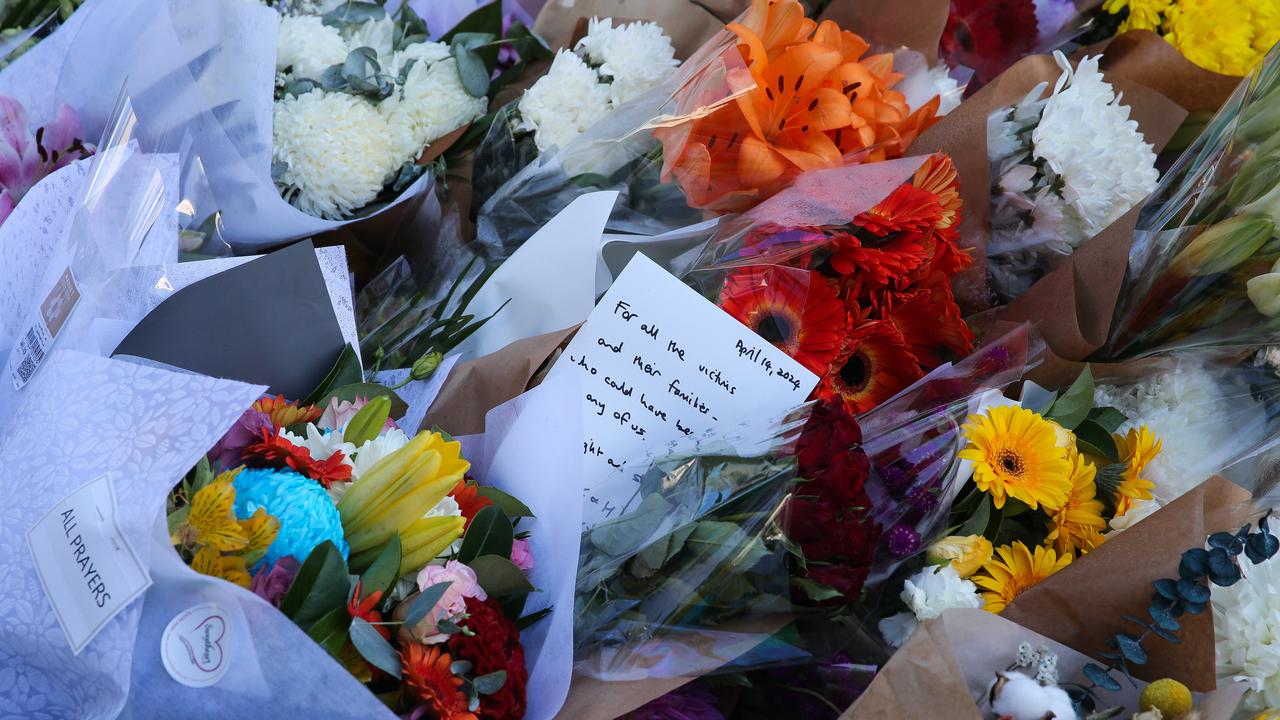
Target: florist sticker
<point x="660" y="367"/>
<point x="195" y="645"/>
<point x="85" y="563"/>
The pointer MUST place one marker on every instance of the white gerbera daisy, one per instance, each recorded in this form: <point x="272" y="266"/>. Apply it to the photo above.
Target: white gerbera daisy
<point x="633" y="58"/>
<point x="338" y="150"/>
<point x="563" y="103"/>
<point x="1246" y="624"/>
<point x="432" y="104"/>
<point x="308" y="46"/>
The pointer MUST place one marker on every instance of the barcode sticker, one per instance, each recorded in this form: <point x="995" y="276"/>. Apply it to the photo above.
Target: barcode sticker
<point x="30" y="351"/>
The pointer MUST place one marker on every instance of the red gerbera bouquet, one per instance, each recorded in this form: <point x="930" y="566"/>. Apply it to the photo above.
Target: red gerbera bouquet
<point x="861" y="298"/>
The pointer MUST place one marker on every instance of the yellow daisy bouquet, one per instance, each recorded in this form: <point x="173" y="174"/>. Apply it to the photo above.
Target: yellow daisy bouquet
<point x="1046" y="484"/>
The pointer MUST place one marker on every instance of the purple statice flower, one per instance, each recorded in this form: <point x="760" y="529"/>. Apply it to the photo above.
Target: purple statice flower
<point x="247" y="431"/>
<point x="903" y="541"/>
<point x="26" y="158"/>
<point x="271" y="582"/>
<point x="691" y="702"/>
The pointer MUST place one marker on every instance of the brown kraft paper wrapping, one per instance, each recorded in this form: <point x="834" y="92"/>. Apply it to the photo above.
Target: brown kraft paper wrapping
<point x="475" y="387"/>
<point x="1083" y="604"/>
<point x="1144" y="57"/>
<point x="944" y="671"/>
<point x="893" y="23"/>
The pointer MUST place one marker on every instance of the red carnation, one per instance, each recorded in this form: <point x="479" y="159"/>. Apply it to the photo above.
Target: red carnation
<point x="494" y="646"/>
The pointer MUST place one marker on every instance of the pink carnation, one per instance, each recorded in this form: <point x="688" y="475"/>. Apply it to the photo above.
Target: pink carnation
<point x="522" y="555"/>
<point x="463" y="584"/>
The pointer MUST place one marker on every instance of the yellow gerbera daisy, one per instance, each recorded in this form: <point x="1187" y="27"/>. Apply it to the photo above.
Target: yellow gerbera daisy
<point x="1078" y="524"/>
<point x="1014" y="569"/>
<point x="1015" y="455"/>
<point x="1136" y="448"/>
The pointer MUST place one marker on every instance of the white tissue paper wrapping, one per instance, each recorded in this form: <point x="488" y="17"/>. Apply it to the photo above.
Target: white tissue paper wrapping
<point x="200" y="72"/>
<point x="531" y="449"/>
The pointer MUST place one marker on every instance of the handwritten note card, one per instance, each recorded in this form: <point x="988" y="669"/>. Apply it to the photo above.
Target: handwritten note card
<point x="658" y="364"/>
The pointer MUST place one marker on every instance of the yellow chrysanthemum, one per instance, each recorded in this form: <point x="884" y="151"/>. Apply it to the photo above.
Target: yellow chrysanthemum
<point x="1014" y="569"/>
<point x="1143" y="14"/>
<point x="1137" y="448"/>
<point x="1225" y="36"/>
<point x="1015" y="455"/>
<point x="1078" y="524"/>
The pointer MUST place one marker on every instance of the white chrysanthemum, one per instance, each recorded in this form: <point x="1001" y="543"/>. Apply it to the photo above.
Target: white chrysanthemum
<point x="321" y="444"/>
<point x="1085" y="136"/>
<point x="927" y="594"/>
<point x="634" y="58"/>
<point x="423" y="52"/>
<point x="432" y="104"/>
<point x="308" y="46"/>
<point x="1246" y="624"/>
<point x="371" y="451"/>
<point x="563" y="103"/>
<point x="1201" y="425"/>
<point x="338" y="149"/>
<point x="376" y="34"/>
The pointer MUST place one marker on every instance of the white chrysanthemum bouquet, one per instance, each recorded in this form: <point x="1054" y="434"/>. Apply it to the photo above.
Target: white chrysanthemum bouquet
<point x="1062" y="168"/>
<point x="359" y="96"/>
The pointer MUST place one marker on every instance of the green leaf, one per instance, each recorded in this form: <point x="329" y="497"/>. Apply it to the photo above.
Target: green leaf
<point x="1074" y="405"/>
<point x="368" y="421"/>
<point x="178" y="518"/>
<point x="629" y="532"/>
<point x="531" y="618"/>
<point x="499" y="576"/>
<point x="382" y="574"/>
<point x="368" y="391"/>
<point x="374" y="648"/>
<point x="489" y="533"/>
<point x="321" y="585"/>
<point x="353" y="12"/>
<point x="345" y="372"/>
<point x="423" y="603"/>
<point x="484" y="19"/>
<point x="201" y="476"/>
<point x="491" y="683"/>
<point x="472" y="71"/>
<point x="529" y="44"/>
<point x="978" y="521"/>
<point x="510" y="505"/>
<point x="1107" y="418"/>
<point x="330" y="631"/>
<point x="657" y="553"/>
<point x="816" y="591"/>
<point x="1095" y="439"/>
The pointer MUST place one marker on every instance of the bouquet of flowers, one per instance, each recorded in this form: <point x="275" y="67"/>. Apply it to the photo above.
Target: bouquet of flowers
<point x="1224" y="37"/>
<point x="1056" y="182"/>
<point x="775" y="95"/>
<point x="989" y="37"/>
<point x="377" y="544"/>
<point x="1200" y="270"/>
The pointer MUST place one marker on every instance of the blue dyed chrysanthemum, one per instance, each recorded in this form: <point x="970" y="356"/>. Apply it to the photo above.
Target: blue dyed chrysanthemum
<point x="307" y="516"/>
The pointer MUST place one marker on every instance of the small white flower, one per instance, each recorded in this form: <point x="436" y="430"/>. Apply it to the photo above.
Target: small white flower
<point x="338" y="149"/>
<point x="1246" y="624"/>
<point x="432" y="104"/>
<point x="1026" y="655"/>
<point x="633" y="58"/>
<point x="927" y="594"/>
<point x="308" y="46"/>
<point x="897" y="629"/>
<point x="563" y="103"/>
<point x="1139" y="510"/>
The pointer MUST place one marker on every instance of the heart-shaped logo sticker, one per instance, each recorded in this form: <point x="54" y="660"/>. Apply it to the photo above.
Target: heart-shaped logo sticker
<point x="195" y="645"/>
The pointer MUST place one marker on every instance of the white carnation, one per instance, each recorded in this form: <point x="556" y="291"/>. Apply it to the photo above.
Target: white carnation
<point x="338" y="149"/>
<point x="927" y="594"/>
<point x="1086" y="137"/>
<point x="563" y="103"/>
<point x="1246" y="624"/>
<point x="432" y="104"/>
<point x="1201" y="424"/>
<point x="633" y="58"/>
<point x="308" y="46"/>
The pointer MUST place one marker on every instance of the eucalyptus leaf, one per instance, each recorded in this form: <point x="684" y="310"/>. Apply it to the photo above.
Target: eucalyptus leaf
<point x="423" y="603"/>
<point x="1100" y="677"/>
<point x="978" y="521"/>
<point x="374" y="648"/>
<point x="353" y="12"/>
<point x="489" y="533"/>
<point x="490" y="683"/>
<point x="1131" y="648"/>
<point x="472" y="71"/>
<point x="485" y="19"/>
<point x="278" y="169"/>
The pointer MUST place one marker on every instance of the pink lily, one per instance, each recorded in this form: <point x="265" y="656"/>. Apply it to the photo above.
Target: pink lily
<point x="25" y="158"/>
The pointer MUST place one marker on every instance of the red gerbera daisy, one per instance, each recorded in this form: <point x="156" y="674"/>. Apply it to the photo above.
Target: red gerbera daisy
<point x="930" y="322"/>
<point x="277" y="452"/>
<point x="427" y="677"/>
<point x="876" y="261"/>
<point x="938" y="176"/>
<point x="873" y="366"/>
<point x="366" y="609"/>
<point x="796" y="310"/>
<point x="467" y="494"/>
<point x="907" y="209"/>
<point x="284" y="413"/>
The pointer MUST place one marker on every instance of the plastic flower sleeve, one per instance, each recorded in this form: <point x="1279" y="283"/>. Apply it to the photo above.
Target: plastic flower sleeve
<point x="1201" y="269"/>
<point x="696" y="575"/>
